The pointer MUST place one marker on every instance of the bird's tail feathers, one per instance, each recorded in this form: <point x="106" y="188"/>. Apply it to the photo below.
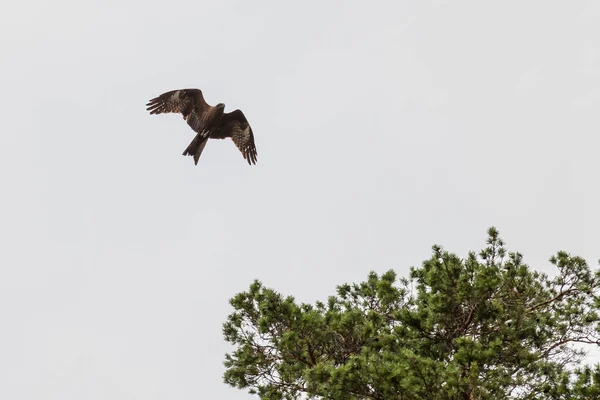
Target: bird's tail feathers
<point x="196" y="146"/>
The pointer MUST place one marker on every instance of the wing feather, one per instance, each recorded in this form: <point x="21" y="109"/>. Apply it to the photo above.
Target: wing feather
<point x="182" y="101"/>
<point x="188" y="102"/>
<point x="195" y="122"/>
<point x="236" y="126"/>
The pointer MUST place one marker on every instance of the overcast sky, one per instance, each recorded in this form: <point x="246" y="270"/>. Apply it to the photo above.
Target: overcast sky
<point x="382" y="128"/>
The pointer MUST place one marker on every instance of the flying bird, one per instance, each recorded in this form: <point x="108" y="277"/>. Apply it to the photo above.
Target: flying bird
<point x="209" y="122"/>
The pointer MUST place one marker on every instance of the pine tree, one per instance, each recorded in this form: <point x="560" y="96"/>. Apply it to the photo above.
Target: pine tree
<point x="483" y="327"/>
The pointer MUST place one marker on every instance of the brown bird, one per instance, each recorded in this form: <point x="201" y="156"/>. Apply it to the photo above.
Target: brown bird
<point x="207" y="121"/>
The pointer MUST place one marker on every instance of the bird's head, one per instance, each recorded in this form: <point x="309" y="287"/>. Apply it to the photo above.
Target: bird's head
<point x="220" y="106"/>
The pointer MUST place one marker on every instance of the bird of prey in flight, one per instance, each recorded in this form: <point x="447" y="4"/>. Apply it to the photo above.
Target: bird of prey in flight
<point x="209" y="122"/>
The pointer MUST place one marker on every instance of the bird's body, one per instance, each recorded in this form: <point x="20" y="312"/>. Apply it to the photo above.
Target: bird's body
<point x="209" y="122"/>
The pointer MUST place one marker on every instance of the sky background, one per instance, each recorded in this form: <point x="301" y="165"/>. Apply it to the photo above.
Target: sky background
<point x="382" y="128"/>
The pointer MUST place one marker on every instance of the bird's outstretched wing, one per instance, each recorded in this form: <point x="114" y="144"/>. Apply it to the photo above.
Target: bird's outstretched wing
<point x="181" y="101"/>
<point x="236" y="126"/>
<point x="188" y="102"/>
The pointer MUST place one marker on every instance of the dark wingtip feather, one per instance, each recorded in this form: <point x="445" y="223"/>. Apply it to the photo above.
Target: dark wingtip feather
<point x="152" y="101"/>
<point x="251" y="158"/>
<point x="154" y="105"/>
<point x="154" y="108"/>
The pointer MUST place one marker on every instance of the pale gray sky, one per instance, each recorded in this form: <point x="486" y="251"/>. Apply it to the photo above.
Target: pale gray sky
<point x="382" y="128"/>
